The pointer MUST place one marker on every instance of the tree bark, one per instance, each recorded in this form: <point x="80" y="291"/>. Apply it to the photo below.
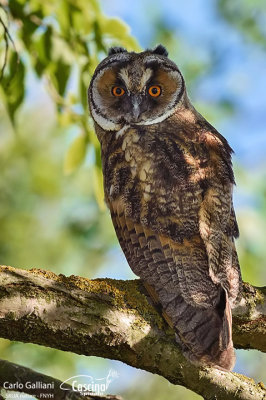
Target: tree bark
<point x="114" y="319"/>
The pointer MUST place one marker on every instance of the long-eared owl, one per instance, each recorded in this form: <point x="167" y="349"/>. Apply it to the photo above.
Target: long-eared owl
<point x="168" y="183"/>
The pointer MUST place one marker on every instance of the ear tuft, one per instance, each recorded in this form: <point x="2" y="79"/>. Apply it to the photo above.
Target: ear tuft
<point x="161" y="50"/>
<point x="116" y="50"/>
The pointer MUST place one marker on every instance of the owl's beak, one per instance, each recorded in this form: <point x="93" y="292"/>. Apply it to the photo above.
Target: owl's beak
<point x="136" y="107"/>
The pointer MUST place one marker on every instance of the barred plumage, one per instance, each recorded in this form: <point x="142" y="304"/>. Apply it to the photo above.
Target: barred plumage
<point x="168" y="182"/>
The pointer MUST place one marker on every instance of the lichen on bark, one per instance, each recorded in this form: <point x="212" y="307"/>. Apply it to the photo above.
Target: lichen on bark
<point x="115" y="319"/>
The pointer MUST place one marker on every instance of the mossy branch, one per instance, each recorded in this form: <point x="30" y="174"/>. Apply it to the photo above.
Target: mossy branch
<point x="114" y="319"/>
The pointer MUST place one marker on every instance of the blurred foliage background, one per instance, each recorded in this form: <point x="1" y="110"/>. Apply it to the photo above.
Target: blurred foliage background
<point x="52" y="213"/>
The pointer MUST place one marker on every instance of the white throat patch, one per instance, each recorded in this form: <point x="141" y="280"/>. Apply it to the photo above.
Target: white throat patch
<point x="158" y="119"/>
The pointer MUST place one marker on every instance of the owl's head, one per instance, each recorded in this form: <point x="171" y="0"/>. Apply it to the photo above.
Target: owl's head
<point x="130" y="88"/>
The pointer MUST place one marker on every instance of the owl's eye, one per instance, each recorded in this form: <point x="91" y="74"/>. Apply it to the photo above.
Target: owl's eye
<point x="154" y="90"/>
<point x="118" y="91"/>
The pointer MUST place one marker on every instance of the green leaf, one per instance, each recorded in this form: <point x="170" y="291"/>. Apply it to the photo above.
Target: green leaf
<point x="42" y="48"/>
<point x="29" y="27"/>
<point x="98" y="37"/>
<point x="13" y="84"/>
<point x="63" y="17"/>
<point x="61" y="51"/>
<point x="114" y="27"/>
<point x="98" y="187"/>
<point x="60" y="76"/>
<point x="98" y="159"/>
<point x="84" y="82"/>
<point x="16" y="8"/>
<point x="119" y="31"/>
<point x="87" y="125"/>
<point x="75" y="154"/>
<point x="43" y="45"/>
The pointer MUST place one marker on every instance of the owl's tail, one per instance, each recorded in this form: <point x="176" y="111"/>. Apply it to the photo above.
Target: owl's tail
<point x="207" y="338"/>
<point x="204" y="334"/>
<point x="177" y="278"/>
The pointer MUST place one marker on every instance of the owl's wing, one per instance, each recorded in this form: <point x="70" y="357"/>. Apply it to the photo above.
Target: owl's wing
<point x="218" y="227"/>
<point x="176" y="275"/>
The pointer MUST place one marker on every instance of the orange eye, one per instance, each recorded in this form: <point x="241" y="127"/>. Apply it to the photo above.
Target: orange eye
<point x="154" y="91"/>
<point x="118" y="91"/>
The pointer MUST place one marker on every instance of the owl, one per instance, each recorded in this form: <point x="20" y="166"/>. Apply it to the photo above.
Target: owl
<point x="168" y="183"/>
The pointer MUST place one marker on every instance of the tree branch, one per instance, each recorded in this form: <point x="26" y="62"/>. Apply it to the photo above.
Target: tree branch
<point x="25" y="380"/>
<point x="114" y="319"/>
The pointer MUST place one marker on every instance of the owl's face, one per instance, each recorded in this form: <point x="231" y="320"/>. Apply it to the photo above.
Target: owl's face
<point x="135" y="88"/>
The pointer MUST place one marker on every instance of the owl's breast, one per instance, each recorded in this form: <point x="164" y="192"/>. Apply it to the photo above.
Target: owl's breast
<point x="155" y="179"/>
